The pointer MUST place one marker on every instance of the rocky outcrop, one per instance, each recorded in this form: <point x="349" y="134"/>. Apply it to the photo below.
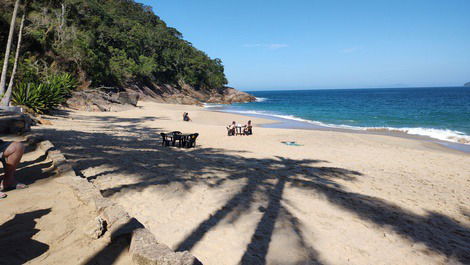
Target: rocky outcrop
<point x="230" y="95"/>
<point x="110" y="99"/>
<point x="97" y="100"/>
<point x="467" y="84"/>
<point x="128" y="98"/>
<point x="191" y="96"/>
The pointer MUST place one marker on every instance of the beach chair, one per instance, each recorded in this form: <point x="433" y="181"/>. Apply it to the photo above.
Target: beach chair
<point x="176" y="137"/>
<point x="190" y="140"/>
<point x="165" y="139"/>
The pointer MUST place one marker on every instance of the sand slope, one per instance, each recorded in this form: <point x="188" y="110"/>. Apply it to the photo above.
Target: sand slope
<point x="46" y="223"/>
<point x="341" y="198"/>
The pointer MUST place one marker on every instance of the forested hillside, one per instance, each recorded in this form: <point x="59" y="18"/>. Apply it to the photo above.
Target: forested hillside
<point x="111" y="43"/>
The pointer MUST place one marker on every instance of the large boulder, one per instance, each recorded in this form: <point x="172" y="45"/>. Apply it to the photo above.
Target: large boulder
<point x="130" y="98"/>
<point x="232" y="95"/>
<point x="229" y="95"/>
<point x="96" y="100"/>
<point x="14" y="122"/>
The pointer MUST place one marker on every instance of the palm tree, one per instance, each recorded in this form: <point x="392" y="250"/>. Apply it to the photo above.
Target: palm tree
<point x="6" y="98"/>
<point x="7" y="52"/>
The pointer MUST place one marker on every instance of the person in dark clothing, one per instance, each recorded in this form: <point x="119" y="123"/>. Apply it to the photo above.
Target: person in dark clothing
<point x="248" y="130"/>
<point x="186" y="117"/>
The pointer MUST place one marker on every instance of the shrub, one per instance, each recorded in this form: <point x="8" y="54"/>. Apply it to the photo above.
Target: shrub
<point x="65" y="81"/>
<point x="45" y="96"/>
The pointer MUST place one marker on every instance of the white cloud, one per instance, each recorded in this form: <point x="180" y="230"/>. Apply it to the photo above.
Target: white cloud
<point x="271" y="46"/>
<point x="350" y="50"/>
<point x="252" y="45"/>
<point x="276" y="46"/>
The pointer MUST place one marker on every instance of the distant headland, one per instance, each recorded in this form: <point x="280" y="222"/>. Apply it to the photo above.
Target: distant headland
<point x="467" y="84"/>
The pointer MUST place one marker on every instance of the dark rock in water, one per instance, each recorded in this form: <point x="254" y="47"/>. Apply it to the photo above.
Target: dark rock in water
<point x="232" y="95"/>
<point x="14" y="123"/>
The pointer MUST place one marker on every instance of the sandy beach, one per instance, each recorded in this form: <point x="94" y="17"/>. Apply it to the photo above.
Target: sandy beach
<point x="339" y="198"/>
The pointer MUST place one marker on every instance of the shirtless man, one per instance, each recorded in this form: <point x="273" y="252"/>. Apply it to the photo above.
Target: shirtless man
<point x="10" y="155"/>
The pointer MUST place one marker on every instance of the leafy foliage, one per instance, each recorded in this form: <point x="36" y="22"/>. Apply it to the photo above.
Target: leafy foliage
<point x="42" y="97"/>
<point x="111" y="42"/>
<point x="64" y="81"/>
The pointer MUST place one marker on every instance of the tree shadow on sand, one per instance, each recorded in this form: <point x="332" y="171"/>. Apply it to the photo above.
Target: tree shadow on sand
<point x="264" y="180"/>
<point x="16" y="243"/>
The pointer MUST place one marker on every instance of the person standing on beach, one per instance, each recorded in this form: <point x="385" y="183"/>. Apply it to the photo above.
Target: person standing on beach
<point x="10" y="155"/>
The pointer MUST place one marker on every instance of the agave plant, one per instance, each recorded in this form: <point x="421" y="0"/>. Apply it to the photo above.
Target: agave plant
<point x="46" y="96"/>
<point x="65" y="81"/>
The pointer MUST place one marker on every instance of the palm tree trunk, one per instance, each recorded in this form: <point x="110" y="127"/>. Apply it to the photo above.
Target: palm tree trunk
<point x="7" y="52"/>
<point x="7" y="96"/>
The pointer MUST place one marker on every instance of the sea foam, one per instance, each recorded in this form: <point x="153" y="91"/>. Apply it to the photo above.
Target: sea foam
<point x="440" y="134"/>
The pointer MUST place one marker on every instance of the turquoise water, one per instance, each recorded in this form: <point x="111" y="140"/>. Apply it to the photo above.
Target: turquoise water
<point x="442" y="113"/>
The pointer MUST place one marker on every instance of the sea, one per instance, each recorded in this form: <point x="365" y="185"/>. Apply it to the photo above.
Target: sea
<point x="441" y="113"/>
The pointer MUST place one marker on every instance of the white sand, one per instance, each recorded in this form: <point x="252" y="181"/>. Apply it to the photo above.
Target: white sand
<point x="340" y="198"/>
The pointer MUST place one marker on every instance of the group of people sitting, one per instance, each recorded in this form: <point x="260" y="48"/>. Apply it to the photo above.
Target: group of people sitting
<point x="238" y="129"/>
<point x="232" y="129"/>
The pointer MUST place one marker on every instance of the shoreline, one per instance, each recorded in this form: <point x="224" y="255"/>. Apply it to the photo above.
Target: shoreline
<point x="284" y="123"/>
<point x="361" y="195"/>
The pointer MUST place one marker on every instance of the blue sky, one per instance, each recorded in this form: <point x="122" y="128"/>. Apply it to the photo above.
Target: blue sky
<point x="303" y="44"/>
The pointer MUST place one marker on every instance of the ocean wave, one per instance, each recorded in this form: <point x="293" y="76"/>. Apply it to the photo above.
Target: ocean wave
<point x="260" y="99"/>
<point x="212" y="105"/>
<point x="440" y="134"/>
<point x="293" y="118"/>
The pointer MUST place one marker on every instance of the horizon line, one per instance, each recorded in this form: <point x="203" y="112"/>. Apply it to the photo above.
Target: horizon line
<point x="348" y="88"/>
